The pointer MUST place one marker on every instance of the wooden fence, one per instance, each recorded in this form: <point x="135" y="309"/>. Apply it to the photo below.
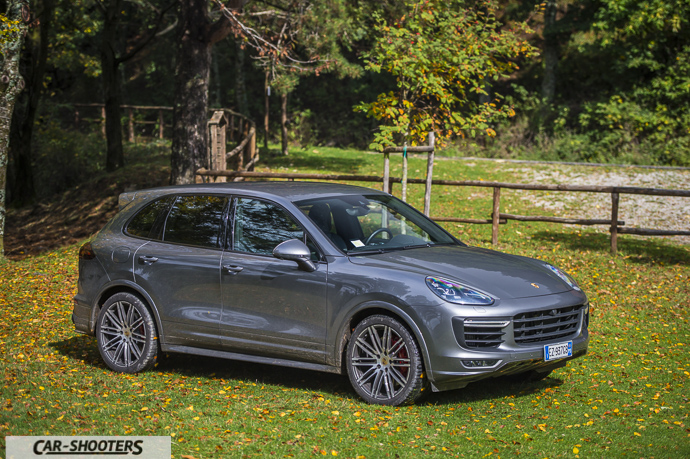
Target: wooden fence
<point x="158" y="117"/>
<point x="225" y="126"/>
<point x="616" y="226"/>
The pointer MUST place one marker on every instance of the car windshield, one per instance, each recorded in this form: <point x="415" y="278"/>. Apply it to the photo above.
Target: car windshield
<point x="363" y="224"/>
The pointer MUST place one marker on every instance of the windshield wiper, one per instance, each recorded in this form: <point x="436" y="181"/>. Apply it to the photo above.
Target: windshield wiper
<point x="416" y="246"/>
<point x="365" y="252"/>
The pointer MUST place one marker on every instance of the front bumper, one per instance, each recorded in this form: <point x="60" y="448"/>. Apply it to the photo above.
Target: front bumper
<point x="513" y="363"/>
<point x="471" y="344"/>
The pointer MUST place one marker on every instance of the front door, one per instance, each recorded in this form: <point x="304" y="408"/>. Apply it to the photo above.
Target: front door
<point x="270" y="307"/>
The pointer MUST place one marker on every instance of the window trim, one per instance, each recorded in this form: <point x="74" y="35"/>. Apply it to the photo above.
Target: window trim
<point x="158" y="230"/>
<point x="223" y="221"/>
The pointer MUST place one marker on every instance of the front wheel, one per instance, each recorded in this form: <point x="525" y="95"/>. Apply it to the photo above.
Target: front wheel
<point x="126" y="334"/>
<point x="384" y="363"/>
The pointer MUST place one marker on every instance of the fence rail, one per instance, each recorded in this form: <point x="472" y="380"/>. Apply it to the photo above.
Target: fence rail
<point x="497" y="218"/>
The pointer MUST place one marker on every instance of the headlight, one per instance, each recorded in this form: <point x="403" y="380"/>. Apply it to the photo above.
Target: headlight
<point x="564" y="277"/>
<point x="456" y="293"/>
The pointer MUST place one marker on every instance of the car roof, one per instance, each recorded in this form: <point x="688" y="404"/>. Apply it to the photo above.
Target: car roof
<point x="287" y="190"/>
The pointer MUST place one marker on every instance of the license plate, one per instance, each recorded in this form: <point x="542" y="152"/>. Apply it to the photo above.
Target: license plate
<point x="558" y="351"/>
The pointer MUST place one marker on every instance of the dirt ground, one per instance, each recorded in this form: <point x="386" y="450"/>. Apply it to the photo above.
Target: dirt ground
<point x="79" y="213"/>
<point x="638" y="211"/>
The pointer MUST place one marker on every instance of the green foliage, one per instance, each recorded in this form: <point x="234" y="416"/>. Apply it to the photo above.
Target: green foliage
<point x="63" y="158"/>
<point x="648" y="45"/>
<point x="306" y="37"/>
<point x="442" y="53"/>
<point x="8" y="29"/>
<point x="73" y="46"/>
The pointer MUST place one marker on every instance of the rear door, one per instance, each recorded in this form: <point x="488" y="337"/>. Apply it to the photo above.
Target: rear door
<point x="181" y="270"/>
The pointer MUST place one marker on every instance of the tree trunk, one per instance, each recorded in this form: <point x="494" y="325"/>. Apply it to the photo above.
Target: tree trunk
<point x="11" y="82"/>
<point x="189" y="144"/>
<point x="283" y="124"/>
<point x="240" y="82"/>
<point x="20" y="188"/>
<point x="551" y="51"/>
<point x="266" y="96"/>
<point x="112" y="89"/>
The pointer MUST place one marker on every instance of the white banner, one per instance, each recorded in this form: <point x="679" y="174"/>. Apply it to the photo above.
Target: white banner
<point x="87" y="447"/>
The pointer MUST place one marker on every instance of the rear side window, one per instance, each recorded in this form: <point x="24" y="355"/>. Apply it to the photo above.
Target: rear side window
<point x="260" y="226"/>
<point x="144" y="223"/>
<point x="196" y="220"/>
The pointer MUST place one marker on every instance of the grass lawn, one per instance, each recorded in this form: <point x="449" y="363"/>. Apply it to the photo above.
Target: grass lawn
<point x="627" y="397"/>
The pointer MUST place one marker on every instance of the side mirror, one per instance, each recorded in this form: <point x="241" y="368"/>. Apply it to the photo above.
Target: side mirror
<point x="295" y="250"/>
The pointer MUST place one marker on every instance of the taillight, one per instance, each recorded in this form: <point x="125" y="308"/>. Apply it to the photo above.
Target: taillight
<point x="86" y="252"/>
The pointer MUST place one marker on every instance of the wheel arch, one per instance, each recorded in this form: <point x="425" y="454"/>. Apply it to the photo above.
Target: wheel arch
<point x="124" y="287"/>
<point x="371" y="308"/>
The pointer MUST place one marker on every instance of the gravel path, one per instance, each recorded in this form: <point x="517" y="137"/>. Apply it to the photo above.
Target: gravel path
<point x="653" y="212"/>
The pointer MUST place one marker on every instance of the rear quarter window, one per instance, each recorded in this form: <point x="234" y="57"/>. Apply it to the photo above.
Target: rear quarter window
<point x="144" y="222"/>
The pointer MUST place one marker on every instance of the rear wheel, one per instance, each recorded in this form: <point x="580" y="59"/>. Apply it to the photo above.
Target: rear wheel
<point x="126" y="334"/>
<point x="384" y="363"/>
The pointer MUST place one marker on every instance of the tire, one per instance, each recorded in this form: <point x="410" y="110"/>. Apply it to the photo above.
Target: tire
<point x="384" y="363"/>
<point x="126" y="334"/>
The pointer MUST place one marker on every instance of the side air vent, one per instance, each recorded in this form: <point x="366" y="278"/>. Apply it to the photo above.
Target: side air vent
<point x="479" y="333"/>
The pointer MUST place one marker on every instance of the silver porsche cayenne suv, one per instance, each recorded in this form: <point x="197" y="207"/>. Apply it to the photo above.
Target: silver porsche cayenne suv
<point x="324" y="277"/>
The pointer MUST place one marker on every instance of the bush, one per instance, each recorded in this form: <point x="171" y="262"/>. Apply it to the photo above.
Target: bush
<point x="64" y="158"/>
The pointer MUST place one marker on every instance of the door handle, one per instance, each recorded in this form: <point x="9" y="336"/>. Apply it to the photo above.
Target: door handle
<point x="232" y="269"/>
<point x="147" y="260"/>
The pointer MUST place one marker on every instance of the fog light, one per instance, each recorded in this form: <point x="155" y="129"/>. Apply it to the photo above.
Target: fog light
<point x="479" y="363"/>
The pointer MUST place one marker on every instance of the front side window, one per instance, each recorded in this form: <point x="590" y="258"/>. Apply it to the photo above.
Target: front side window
<point x="196" y="220"/>
<point x="260" y="226"/>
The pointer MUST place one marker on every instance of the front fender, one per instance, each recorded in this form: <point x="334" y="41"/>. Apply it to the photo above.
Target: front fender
<point x="368" y="308"/>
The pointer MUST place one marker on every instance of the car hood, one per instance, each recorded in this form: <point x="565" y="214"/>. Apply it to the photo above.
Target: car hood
<point x="499" y="274"/>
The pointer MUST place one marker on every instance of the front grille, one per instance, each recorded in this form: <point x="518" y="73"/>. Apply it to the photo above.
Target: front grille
<point x="546" y="325"/>
<point x="479" y="333"/>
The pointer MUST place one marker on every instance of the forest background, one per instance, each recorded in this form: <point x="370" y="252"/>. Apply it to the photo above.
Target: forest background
<point x="606" y="81"/>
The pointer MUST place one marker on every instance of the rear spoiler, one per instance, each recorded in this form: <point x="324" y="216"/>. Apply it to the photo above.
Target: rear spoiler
<point x="125" y="199"/>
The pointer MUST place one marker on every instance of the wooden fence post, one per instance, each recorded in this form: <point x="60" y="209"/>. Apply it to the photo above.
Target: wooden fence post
<point x="614" y="222"/>
<point x="161" y="124"/>
<point x="252" y="151"/>
<point x="130" y="126"/>
<point x="103" y="121"/>
<point x="495" y="217"/>
<point x="386" y="172"/>
<point x="429" y="175"/>
<point x="404" y="177"/>
<point x="216" y="149"/>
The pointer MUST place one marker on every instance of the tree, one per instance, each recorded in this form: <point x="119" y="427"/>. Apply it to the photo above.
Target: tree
<point x="442" y="53"/>
<point x="647" y="45"/>
<point x="12" y="29"/>
<point x="198" y="33"/>
<point x="307" y="38"/>
<point x="286" y="48"/>
<point x="20" y="187"/>
<point x="111" y="59"/>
